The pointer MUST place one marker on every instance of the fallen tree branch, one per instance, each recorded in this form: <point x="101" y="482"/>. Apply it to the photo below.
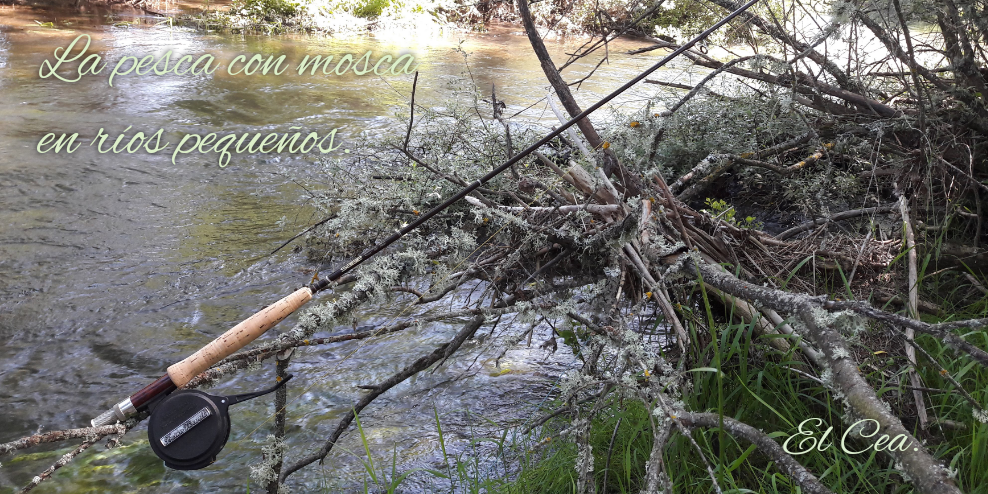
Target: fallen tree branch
<point x="94" y="436"/>
<point x="58" y="436"/>
<point x="912" y="311"/>
<point x="700" y="85"/>
<point x="844" y="215"/>
<point x="64" y="460"/>
<point x="927" y="473"/>
<point x="939" y="331"/>
<point x="591" y="208"/>
<point x="802" y="84"/>
<point x="803" y="49"/>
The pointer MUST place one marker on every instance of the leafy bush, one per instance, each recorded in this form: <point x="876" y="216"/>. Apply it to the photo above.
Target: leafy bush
<point x="368" y="8"/>
<point x="267" y="10"/>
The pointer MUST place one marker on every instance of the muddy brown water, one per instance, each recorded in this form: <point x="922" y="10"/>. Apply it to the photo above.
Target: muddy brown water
<point x="114" y="266"/>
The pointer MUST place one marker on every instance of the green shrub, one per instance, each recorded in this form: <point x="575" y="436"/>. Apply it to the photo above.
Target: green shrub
<point x="370" y="8"/>
<point x="366" y="9"/>
<point x="267" y="10"/>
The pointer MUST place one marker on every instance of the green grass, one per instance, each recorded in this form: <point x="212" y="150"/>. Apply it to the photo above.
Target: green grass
<point x="553" y="471"/>
<point x="758" y="388"/>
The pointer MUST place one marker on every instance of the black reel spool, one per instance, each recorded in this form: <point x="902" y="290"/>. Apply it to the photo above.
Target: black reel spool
<point x="189" y="428"/>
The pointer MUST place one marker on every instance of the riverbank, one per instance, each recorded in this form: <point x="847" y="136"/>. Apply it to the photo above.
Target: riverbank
<point x="356" y="17"/>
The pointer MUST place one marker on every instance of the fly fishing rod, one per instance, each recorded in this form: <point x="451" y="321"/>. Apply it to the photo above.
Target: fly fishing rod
<point x="179" y="374"/>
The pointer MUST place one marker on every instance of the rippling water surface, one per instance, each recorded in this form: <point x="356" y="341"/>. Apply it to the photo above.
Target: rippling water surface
<point x="114" y="266"/>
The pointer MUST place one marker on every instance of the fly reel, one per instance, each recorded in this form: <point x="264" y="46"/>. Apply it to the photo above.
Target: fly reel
<point x="188" y="428"/>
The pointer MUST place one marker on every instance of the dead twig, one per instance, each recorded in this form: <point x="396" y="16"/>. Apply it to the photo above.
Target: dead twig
<point x="440" y="353"/>
<point x="844" y="215"/>
<point x="913" y="310"/>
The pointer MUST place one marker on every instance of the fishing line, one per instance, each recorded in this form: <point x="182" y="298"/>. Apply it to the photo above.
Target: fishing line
<point x="160" y="392"/>
<point x="370" y="252"/>
<point x="324" y="283"/>
<point x="407" y="307"/>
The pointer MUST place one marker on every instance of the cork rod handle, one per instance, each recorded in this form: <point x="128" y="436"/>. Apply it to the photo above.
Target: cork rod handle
<point x="237" y="337"/>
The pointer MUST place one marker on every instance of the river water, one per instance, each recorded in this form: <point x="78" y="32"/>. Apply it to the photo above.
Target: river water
<point x="114" y="266"/>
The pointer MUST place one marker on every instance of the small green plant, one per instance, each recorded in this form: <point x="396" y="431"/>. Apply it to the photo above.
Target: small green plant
<point x="382" y="481"/>
<point x="720" y="209"/>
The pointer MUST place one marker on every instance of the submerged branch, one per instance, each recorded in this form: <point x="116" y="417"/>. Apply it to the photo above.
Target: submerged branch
<point x="440" y="353"/>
